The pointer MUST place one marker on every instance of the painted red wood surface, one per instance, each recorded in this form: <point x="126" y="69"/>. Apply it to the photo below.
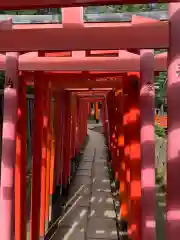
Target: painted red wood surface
<point x="22" y="4"/>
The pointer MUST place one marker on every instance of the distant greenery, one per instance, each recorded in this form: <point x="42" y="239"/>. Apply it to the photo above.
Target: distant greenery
<point x="1" y="80"/>
<point x="31" y="12"/>
<point x="127" y="8"/>
<point x="95" y="9"/>
<point x="160" y="132"/>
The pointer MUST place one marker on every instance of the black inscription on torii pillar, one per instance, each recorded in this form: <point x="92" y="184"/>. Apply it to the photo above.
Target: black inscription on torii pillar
<point x="150" y="86"/>
<point x="9" y="83"/>
<point x="178" y="70"/>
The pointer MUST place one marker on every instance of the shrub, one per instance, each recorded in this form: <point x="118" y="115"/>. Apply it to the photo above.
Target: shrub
<point x="160" y="132"/>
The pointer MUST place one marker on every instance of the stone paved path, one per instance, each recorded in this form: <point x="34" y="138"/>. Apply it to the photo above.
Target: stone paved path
<point x="91" y="214"/>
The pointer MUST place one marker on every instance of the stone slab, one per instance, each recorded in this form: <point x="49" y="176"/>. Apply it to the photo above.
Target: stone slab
<point x="84" y="172"/>
<point x="102" y="208"/>
<point x="82" y="180"/>
<point x="98" y="193"/>
<point x="84" y="201"/>
<point x="101" y="161"/>
<point x="100" y="188"/>
<point x="99" y="228"/>
<point x="75" y="214"/>
<point x="73" y="233"/>
<point x="85" y="166"/>
<point x="83" y="190"/>
<point x="102" y="183"/>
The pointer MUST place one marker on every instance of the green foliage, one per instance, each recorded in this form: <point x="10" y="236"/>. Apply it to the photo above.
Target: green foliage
<point x="1" y="80"/>
<point x="98" y="9"/>
<point x="30" y="90"/>
<point x="160" y="84"/>
<point x="160" y="132"/>
<point x="32" y="11"/>
<point x="126" y="8"/>
<point x="160" y="88"/>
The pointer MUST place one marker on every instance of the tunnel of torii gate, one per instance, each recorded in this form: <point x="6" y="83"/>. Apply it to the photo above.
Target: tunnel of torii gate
<point x="73" y="64"/>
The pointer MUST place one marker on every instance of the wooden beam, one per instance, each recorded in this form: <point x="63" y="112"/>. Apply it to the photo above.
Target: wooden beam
<point x="87" y="89"/>
<point x="104" y="64"/>
<point x="35" y="63"/>
<point x="123" y="63"/>
<point x="92" y="36"/>
<point x="86" y="84"/>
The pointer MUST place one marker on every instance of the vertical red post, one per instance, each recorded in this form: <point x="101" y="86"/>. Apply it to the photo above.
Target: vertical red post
<point x="49" y="168"/>
<point x="97" y="112"/>
<point x="61" y="147"/>
<point x="73" y="126"/>
<point x="44" y="158"/>
<point x="57" y="133"/>
<point x="70" y="130"/>
<point x="121" y="160"/>
<point x="124" y="165"/>
<point x="52" y="169"/>
<point x="37" y="157"/>
<point x="66" y="168"/>
<point x="20" y="168"/>
<point x="107" y="124"/>
<point x="147" y="96"/>
<point x="173" y="98"/>
<point x="134" y="157"/>
<point x="77" y="124"/>
<point x="116" y="120"/>
<point x="113" y="130"/>
<point x="9" y="146"/>
<point x="103" y="117"/>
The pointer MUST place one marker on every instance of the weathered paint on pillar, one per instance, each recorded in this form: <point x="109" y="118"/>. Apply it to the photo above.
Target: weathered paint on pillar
<point x="37" y="157"/>
<point x="20" y="169"/>
<point x="147" y="94"/>
<point x="9" y="146"/>
<point x="173" y="98"/>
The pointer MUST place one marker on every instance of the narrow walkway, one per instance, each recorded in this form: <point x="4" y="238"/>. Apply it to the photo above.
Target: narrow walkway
<point x="91" y="215"/>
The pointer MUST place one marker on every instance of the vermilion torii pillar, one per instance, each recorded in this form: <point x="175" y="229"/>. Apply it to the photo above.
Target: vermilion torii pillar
<point x="147" y="95"/>
<point x="37" y="159"/>
<point x="9" y="146"/>
<point x="173" y="98"/>
<point x="21" y="161"/>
